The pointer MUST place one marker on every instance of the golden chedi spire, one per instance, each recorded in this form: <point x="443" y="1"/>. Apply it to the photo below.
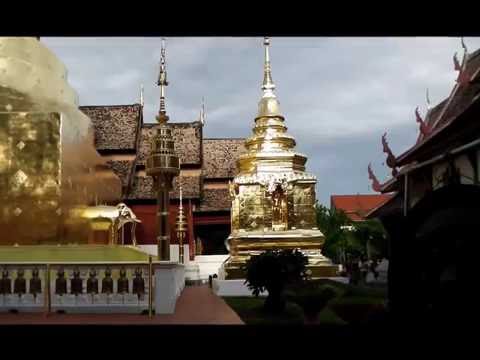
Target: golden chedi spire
<point x="270" y="140"/>
<point x="273" y="198"/>
<point x="269" y="105"/>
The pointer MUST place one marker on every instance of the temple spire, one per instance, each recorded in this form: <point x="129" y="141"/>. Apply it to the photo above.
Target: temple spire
<point x="162" y="82"/>
<point x="269" y="105"/>
<point x="141" y="96"/>
<point x="202" y="111"/>
<point x="268" y="86"/>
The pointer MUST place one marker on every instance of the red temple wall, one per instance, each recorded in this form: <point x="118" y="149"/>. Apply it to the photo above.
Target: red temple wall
<point x="146" y="231"/>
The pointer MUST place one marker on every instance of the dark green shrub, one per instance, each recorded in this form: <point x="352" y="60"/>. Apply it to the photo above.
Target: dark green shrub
<point x="272" y="270"/>
<point x="312" y="298"/>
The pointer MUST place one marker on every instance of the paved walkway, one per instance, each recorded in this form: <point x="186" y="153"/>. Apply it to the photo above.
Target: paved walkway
<point x="196" y="305"/>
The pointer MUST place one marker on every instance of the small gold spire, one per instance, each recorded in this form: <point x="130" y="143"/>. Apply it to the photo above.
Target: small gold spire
<point x="268" y="85"/>
<point x="162" y="82"/>
<point x="268" y="105"/>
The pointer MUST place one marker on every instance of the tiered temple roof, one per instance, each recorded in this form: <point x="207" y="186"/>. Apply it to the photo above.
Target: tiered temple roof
<point x="446" y="124"/>
<point x="124" y="140"/>
<point x="445" y="113"/>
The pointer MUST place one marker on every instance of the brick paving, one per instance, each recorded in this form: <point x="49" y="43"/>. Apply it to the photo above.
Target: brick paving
<point x="196" y="305"/>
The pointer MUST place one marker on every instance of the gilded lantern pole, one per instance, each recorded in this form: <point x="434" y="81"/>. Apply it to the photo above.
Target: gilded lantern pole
<point x="181" y="228"/>
<point x="163" y="165"/>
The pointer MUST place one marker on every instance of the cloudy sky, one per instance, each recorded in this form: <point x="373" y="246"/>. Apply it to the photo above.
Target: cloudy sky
<point x="338" y="95"/>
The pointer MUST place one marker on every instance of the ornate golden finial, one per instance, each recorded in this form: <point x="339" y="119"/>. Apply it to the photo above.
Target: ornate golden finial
<point x="162" y="82"/>
<point x="268" y="85"/>
<point x="269" y="105"/>
<point x="141" y="96"/>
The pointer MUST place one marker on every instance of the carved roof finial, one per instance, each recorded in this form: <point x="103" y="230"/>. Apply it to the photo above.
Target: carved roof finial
<point x="424" y="128"/>
<point x="428" y="101"/>
<point x="376" y="186"/>
<point x="463" y="77"/>
<point x="456" y="63"/>
<point x="464" y="46"/>
<point x="391" y="160"/>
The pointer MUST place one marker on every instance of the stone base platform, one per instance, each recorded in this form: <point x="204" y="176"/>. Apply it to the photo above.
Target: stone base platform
<point x="243" y="245"/>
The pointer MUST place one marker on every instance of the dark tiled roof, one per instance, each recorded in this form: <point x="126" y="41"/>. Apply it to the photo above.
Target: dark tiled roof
<point x="188" y="141"/>
<point x="215" y="200"/>
<point x="187" y="138"/>
<point x="123" y="169"/>
<point x="142" y="187"/>
<point x="191" y="187"/>
<point x="115" y="126"/>
<point x="146" y="136"/>
<point x="220" y="156"/>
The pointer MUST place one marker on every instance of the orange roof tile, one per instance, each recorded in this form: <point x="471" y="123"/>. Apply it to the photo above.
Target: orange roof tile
<point x="356" y="207"/>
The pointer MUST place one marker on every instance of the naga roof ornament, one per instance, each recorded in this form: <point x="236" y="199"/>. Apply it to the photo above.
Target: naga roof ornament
<point x="391" y="160"/>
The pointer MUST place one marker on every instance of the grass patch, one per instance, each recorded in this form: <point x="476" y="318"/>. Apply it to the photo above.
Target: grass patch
<point x="250" y="310"/>
<point x="70" y="253"/>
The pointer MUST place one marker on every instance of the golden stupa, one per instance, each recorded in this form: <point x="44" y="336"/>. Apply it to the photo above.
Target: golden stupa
<point x="273" y="197"/>
<point x="48" y="162"/>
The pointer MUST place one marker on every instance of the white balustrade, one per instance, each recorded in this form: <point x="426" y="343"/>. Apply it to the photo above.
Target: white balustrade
<point x="91" y="287"/>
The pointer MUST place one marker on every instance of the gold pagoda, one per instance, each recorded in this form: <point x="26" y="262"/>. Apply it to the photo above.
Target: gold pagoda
<point x="273" y="197"/>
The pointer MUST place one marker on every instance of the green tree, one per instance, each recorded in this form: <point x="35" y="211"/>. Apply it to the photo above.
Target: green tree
<point x="332" y="223"/>
<point x="371" y="235"/>
<point x="344" y="238"/>
<point x="273" y="270"/>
